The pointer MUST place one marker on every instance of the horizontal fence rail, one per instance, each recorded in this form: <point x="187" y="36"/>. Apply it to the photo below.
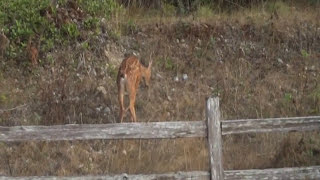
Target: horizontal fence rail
<point x="307" y="173"/>
<point x="270" y="125"/>
<point x="152" y="130"/>
<point x="194" y="175"/>
<point x="155" y="130"/>
<point x="310" y="173"/>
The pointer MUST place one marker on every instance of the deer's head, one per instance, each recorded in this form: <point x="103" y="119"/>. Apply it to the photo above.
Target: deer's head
<point x="147" y="74"/>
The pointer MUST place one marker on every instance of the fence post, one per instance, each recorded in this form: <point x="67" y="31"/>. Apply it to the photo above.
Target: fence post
<point x="214" y="139"/>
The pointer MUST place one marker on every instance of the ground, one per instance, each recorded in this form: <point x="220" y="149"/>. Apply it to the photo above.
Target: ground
<point x="259" y="67"/>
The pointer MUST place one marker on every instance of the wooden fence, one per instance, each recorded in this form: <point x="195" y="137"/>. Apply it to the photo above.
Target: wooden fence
<point x="212" y="128"/>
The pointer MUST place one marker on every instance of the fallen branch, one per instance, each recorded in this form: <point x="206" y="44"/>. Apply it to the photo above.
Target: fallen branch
<point x="14" y="108"/>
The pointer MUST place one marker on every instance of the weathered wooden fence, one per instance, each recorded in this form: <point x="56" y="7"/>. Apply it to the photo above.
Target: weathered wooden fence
<point x="212" y="128"/>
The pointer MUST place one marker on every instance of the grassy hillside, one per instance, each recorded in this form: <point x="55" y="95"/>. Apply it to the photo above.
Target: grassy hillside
<point x="262" y="61"/>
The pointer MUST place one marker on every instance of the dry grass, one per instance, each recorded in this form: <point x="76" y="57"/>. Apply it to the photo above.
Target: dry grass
<point x="275" y="150"/>
<point x="103" y="157"/>
<point x="258" y="67"/>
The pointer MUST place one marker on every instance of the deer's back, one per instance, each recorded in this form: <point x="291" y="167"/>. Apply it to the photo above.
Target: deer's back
<point x="129" y="67"/>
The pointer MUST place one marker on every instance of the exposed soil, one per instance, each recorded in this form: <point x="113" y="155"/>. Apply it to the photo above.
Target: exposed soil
<point x="258" y="70"/>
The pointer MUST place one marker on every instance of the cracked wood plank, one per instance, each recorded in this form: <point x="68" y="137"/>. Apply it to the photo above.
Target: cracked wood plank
<point x="307" y="173"/>
<point x="199" y="175"/>
<point x="214" y="138"/>
<point x="271" y="125"/>
<point x="152" y="130"/>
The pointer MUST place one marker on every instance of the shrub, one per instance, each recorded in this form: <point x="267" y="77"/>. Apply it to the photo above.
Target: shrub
<point x="278" y="6"/>
<point x="48" y="25"/>
<point x="168" y="9"/>
<point x="21" y="19"/>
<point x="103" y="8"/>
<point x="91" y="23"/>
<point x="204" y="11"/>
<point x="71" y="30"/>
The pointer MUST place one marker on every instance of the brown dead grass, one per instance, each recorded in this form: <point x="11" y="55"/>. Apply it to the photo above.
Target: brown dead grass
<point x="236" y="59"/>
<point x="103" y="157"/>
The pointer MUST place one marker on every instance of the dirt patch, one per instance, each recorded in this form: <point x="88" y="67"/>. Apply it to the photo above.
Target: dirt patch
<point x="257" y="70"/>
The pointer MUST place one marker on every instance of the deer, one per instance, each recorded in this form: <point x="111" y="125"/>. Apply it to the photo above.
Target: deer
<point x="130" y="73"/>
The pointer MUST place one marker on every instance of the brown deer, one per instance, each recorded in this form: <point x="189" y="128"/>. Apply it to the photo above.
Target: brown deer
<point x="32" y="52"/>
<point x="129" y="76"/>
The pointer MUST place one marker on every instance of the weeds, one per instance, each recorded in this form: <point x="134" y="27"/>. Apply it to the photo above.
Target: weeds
<point x="204" y="12"/>
<point x="71" y="30"/>
<point x="36" y="18"/>
<point x="98" y="8"/>
<point x="277" y="6"/>
<point x="91" y="23"/>
<point x="3" y="99"/>
<point x="112" y="71"/>
<point x="168" y="10"/>
<point x="64" y="90"/>
<point x="130" y="27"/>
<point x="304" y="53"/>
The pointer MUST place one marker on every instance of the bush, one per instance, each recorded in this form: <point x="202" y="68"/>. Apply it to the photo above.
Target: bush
<point x="169" y="10"/>
<point x="21" y="19"/>
<point x="204" y="11"/>
<point x="49" y="24"/>
<point x="103" y="8"/>
<point x="278" y="6"/>
<point x="71" y="30"/>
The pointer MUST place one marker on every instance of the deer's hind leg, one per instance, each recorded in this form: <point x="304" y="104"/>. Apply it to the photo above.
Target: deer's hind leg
<point x="121" y="101"/>
<point x="132" y="97"/>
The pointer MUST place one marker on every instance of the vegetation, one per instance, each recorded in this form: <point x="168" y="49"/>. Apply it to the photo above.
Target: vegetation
<point x="260" y="57"/>
<point x="49" y="24"/>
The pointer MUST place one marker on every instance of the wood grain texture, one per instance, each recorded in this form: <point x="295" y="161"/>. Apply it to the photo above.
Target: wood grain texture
<point x="195" y="175"/>
<point x="307" y="173"/>
<point x="301" y="173"/>
<point x="271" y="125"/>
<point x="151" y="130"/>
<point x="214" y="138"/>
<point x="155" y="129"/>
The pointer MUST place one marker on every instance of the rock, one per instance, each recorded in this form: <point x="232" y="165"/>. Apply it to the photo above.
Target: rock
<point x="176" y="79"/>
<point x="135" y="53"/>
<point x="107" y="110"/>
<point x="184" y="45"/>
<point x="280" y="61"/>
<point x="159" y="76"/>
<point x="312" y="68"/>
<point x="102" y="90"/>
<point x="99" y="108"/>
<point x="199" y="42"/>
<point x="178" y="41"/>
<point x="184" y="77"/>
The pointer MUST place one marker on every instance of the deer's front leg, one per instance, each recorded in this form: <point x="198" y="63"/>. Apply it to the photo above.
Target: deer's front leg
<point x="132" y="97"/>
